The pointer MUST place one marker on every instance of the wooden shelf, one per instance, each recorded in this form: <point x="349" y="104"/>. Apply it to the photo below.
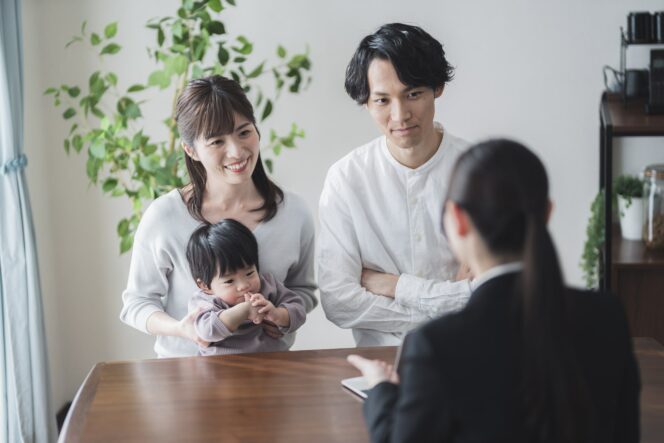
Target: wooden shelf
<point x="633" y="253"/>
<point x="630" y="118"/>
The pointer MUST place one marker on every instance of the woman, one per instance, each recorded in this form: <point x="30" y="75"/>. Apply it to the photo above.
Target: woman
<point x="527" y="359"/>
<point x="227" y="180"/>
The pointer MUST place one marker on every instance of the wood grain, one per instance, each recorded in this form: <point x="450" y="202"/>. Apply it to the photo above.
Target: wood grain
<point x="275" y="397"/>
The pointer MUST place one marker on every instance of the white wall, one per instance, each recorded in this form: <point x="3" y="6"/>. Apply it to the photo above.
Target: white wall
<point x="526" y="69"/>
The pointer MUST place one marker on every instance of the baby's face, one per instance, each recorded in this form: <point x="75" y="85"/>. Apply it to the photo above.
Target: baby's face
<point x="232" y="286"/>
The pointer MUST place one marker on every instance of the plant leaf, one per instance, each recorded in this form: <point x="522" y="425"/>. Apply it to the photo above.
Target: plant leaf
<point x="136" y="88"/>
<point x="216" y="27"/>
<point x="98" y="149"/>
<point x="126" y="243"/>
<point x="160" y="36"/>
<point x="109" y="184"/>
<point x="112" y="48"/>
<point x="215" y="5"/>
<point x="95" y="39"/>
<point x="281" y="51"/>
<point x="223" y="55"/>
<point x="123" y="227"/>
<point x="267" y="110"/>
<point x="77" y="143"/>
<point x="257" y="71"/>
<point x="69" y="113"/>
<point x="159" y="78"/>
<point x="112" y="78"/>
<point x="111" y="29"/>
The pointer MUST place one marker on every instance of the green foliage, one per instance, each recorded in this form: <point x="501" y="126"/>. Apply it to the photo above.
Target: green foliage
<point x="592" y="249"/>
<point x="626" y="186"/>
<point x="107" y="120"/>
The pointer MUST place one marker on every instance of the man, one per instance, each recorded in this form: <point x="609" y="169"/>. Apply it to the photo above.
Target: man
<point x="383" y="264"/>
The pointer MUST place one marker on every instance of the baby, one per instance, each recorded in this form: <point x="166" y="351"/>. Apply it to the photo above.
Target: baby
<point x="233" y="298"/>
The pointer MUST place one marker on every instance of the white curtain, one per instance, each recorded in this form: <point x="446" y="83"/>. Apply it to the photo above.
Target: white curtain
<point x="25" y="413"/>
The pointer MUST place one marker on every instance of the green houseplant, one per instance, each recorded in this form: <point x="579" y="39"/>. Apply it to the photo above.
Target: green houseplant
<point x="628" y="191"/>
<point x="625" y="187"/>
<point x="106" y="117"/>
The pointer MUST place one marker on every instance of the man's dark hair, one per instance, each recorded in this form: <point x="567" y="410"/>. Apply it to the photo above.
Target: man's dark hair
<point x="217" y="249"/>
<point x="418" y="58"/>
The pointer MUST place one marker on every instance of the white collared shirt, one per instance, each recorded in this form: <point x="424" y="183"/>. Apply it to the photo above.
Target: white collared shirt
<point x="377" y="213"/>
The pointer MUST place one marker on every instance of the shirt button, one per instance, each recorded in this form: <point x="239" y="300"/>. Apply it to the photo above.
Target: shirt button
<point x="418" y="237"/>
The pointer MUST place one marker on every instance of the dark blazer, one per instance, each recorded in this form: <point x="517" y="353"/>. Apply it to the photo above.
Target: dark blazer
<point x="459" y="373"/>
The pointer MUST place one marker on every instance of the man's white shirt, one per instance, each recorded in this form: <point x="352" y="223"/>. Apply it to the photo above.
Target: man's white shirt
<point x="379" y="214"/>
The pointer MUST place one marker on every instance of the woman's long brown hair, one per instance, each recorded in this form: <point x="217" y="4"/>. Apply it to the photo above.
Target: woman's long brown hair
<point x="207" y="108"/>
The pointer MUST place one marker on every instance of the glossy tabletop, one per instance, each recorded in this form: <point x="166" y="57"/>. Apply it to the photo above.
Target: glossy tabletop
<point x="282" y="396"/>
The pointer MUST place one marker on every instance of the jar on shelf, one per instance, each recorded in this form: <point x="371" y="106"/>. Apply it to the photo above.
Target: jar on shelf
<point x="653" y="206"/>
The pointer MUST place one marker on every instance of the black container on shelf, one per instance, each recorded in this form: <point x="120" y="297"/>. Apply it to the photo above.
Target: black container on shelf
<point x="639" y="27"/>
<point x="658" y="26"/>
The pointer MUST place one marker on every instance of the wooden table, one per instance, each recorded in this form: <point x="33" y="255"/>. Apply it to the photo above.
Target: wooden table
<point x="282" y="396"/>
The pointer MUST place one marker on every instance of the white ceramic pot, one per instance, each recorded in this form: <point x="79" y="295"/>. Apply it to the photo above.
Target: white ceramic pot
<point x="631" y="218"/>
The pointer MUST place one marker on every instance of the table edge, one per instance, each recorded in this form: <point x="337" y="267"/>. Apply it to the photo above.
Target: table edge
<point x="72" y="428"/>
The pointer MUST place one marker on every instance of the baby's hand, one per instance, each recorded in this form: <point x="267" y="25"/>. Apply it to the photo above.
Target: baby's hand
<point x="254" y="311"/>
<point x="264" y="306"/>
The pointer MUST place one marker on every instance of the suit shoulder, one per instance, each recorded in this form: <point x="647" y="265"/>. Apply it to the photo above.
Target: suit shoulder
<point x="443" y="331"/>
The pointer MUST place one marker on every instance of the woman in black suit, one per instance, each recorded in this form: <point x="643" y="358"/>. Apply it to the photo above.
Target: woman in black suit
<point x="527" y="360"/>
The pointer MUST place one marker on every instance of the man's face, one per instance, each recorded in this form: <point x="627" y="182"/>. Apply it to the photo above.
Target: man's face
<point x="404" y="114"/>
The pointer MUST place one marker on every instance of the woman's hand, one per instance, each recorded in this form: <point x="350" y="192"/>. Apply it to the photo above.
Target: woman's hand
<point x="380" y="283"/>
<point x="271" y="329"/>
<point x="374" y="371"/>
<point x="187" y="330"/>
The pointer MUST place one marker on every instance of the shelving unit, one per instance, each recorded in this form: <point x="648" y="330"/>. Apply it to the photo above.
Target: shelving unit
<point x="635" y="273"/>
<point x="624" y="44"/>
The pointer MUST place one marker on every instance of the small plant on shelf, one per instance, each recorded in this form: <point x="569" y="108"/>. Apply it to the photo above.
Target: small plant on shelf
<point x="628" y="187"/>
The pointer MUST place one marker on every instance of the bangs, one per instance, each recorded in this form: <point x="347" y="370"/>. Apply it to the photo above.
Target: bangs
<point x="233" y="257"/>
<point x="217" y="117"/>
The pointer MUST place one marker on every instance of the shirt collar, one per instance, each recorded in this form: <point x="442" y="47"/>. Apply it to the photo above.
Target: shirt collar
<point x="433" y="160"/>
<point x="494" y="272"/>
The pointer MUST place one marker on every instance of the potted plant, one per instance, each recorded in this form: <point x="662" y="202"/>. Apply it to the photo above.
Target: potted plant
<point x="628" y="191"/>
<point x="627" y="196"/>
<point x="106" y="116"/>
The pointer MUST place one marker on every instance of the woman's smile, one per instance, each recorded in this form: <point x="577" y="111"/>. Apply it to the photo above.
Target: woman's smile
<point x="238" y="167"/>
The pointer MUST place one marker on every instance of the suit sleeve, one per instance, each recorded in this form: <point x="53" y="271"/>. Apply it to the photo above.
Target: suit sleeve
<point x="416" y="409"/>
<point x="627" y="426"/>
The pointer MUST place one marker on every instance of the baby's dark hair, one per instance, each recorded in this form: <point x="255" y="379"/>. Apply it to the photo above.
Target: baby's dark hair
<point x="217" y="249"/>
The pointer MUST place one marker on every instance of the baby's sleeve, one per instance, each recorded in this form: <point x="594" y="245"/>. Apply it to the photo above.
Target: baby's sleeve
<point x="207" y="324"/>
